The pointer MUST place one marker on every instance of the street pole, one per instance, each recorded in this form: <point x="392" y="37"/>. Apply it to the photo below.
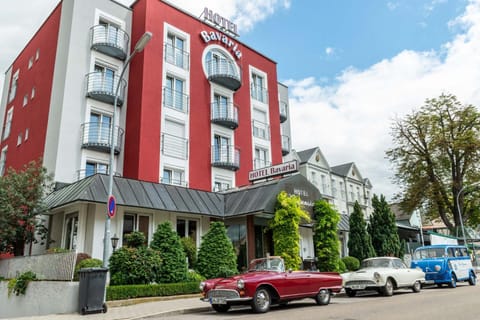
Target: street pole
<point x="460" y="210"/>
<point x="142" y="42"/>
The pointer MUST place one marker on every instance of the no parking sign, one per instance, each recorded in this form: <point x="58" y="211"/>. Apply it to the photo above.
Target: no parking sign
<point x="112" y="206"/>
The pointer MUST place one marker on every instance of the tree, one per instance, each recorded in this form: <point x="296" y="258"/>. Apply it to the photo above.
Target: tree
<point x="325" y="238"/>
<point x="216" y="256"/>
<point x="173" y="267"/>
<point x="359" y="241"/>
<point x="285" y="224"/>
<point x="436" y="154"/>
<point x="21" y="207"/>
<point x="383" y="230"/>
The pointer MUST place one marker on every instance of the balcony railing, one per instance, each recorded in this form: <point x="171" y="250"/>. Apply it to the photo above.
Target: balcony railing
<point x="224" y="114"/>
<point x="219" y="187"/>
<point x="175" y="182"/>
<point x="109" y="40"/>
<point x="101" y="87"/>
<point x="261" y="163"/>
<point x="83" y="173"/>
<point x="225" y="73"/>
<point x="96" y="136"/>
<point x="226" y="157"/>
<point x="174" y="146"/>
<point x="259" y="93"/>
<point x="283" y="111"/>
<point x="176" y="56"/>
<point x="285" y="145"/>
<point x="176" y="100"/>
<point x="261" y="130"/>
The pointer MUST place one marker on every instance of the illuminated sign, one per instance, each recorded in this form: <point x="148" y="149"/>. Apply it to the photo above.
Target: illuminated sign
<point x="219" y="21"/>
<point x="277" y="170"/>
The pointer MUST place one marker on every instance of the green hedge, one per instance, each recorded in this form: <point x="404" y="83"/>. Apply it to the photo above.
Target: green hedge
<point x="151" y="290"/>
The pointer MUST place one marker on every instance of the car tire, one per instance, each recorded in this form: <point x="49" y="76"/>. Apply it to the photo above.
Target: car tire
<point x="351" y="293"/>
<point x="472" y="280"/>
<point x="387" y="290"/>
<point x="417" y="286"/>
<point x="221" y="308"/>
<point x="323" y="297"/>
<point x="453" y="282"/>
<point x="261" y="300"/>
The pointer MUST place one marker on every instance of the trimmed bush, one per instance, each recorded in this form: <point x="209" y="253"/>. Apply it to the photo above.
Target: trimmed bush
<point x="193" y="276"/>
<point x="87" y="263"/>
<point x="216" y="256"/>
<point x="135" y="239"/>
<point x="190" y="249"/>
<point x="173" y="267"/>
<point x="151" y="290"/>
<point x="134" y="266"/>
<point x="351" y="263"/>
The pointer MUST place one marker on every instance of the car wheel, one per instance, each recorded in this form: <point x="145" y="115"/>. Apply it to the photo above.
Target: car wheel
<point x="472" y="280"/>
<point x="453" y="282"/>
<point x="261" y="300"/>
<point x="417" y="286"/>
<point x="323" y="297"/>
<point x="388" y="288"/>
<point x="351" y="293"/>
<point x="222" y="308"/>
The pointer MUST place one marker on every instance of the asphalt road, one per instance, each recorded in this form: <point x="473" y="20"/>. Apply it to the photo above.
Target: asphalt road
<point x="461" y="303"/>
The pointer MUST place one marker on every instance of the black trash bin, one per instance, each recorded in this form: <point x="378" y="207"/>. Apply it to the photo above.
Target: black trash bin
<point x="92" y="290"/>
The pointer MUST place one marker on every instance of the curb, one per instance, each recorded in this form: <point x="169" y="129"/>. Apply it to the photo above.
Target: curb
<point x="173" y="312"/>
<point x="129" y="302"/>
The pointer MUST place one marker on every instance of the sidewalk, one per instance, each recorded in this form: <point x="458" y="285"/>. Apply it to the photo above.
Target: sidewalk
<point x="136" y="309"/>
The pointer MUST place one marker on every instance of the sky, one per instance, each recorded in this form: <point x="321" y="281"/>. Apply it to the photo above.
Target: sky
<point x="352" y="67"/>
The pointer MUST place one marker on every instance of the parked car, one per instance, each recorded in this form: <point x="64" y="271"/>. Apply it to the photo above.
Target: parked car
<point x="383" y="274"/>
<point x="267" y="282"/>
<point x="445" y="264"/>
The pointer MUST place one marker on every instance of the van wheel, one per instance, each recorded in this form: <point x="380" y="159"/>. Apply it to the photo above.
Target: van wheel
<point x="472" y="280"/>
<point x="453" y="282"/>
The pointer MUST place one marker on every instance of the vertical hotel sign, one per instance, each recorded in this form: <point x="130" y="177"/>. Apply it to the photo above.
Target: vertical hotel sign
<point x="223" y="25"/>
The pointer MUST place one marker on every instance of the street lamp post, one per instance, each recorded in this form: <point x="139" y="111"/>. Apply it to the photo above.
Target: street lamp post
<point x="460" y="210"/>
<point x="140" y="45"/>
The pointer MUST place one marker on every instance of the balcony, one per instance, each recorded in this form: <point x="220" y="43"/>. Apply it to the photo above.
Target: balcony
<point x="261" y="130"/>
<point x="96" y="136"/>
<point x="259" y="93"/>
<point x="176" y="56"/>
<point x="83" y="173"/>
<point x="109" y="40"/>
<point x="174" y="182"/>
<point x="174" y="146"/>
<point x="224" y="114"/>
<point x="224" y="72"/>
<point x="175" y="100"/>
<point x="283" y="111"/>
<point x="226" y="157"/>
<point x="101" y="86"/>
<point x="285" y="145"/>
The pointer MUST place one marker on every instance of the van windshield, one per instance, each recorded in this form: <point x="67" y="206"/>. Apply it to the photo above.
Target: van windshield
<point x="429" y="253"/>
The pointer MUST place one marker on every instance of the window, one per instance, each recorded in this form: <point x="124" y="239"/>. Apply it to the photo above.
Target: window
<point x="220" y="186"/>
<point x="92" y="168"/>
<point x="173" y="176"/>
<point x="104" y="78"/>
<point x="3" y="160"/>
<point x="259" y="92"/>
<point x="359" y="198"/>
<point x="19" y="139"/>
<point x="33" y="93"/>
<point x="30" y="63"/>
<point x="334" y="189"/>
<point x="111" y="33"/>
<point x="342" y="190"/>
<point x="135" y="222"/>
<point x="260" y="126"/>
<point x="187" y="228"/>
<point x="175" y="51"/>
<point x="174" y="94"/>
<point x="221" y="148"/>
<point x="352" y="195"/>
<point x="13" y="87"/>
<point x="25" y="100"/>
<point x="313" y="178"/>
<point x="324" y="184"/>
<point x="261" y="158"/>
<point x="218" y="62"/>
<point x="174" y="143"/>
<point x="71" y="227"/>
<point x="8" y="123"/>
<point x="220" y="106"/>
<point x="99" y="128"/>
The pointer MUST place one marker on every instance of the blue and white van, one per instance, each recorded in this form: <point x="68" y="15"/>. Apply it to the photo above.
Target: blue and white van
<point x="444" y="264"/>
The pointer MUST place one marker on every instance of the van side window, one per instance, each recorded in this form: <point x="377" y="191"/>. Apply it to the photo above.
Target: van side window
<point x="451" y="252"/>
<point x="464" y="252"/>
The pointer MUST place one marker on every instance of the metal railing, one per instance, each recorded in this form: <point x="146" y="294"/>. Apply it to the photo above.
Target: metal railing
<point x="176" y="56"/>
<point x="83" y="173"/>
<point x="259" y="93"/>
<point x="225" y="114"/>
<point x="174" y="146"/>
<point x="226" y="157"/>
<point x="261" y="163"/>
<point x="175" y="182"/>
<point x="176" y="100"/>
<point x="261" y="130"/>
<point x="224" y="72"/>
<point x="96" y="135"/>
<point x="109" y="40"/>
<point x="102" y="87"/>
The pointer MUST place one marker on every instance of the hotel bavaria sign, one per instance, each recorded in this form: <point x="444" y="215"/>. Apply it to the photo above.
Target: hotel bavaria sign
<point x="277" y="170"/>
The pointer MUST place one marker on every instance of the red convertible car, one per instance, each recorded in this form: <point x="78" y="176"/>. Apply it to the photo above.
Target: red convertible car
<point x="266" y="283"/>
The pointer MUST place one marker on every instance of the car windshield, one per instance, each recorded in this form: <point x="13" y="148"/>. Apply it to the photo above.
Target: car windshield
<point x="429" y="253"/>
<point x="376" y="263"/>
<point x="267" y="264"/>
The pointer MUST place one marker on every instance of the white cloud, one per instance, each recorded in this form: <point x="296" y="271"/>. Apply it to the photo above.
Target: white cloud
<point x="329" y="51"/>
<point x="351" y="121"/>
<point x="392" y="5"/>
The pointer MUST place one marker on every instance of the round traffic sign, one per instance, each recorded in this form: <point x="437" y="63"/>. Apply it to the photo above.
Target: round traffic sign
<point x="112" y="206"/>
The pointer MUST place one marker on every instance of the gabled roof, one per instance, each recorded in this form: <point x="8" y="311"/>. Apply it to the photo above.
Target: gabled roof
<point x="343" y="169"/>
<point x="305" y="155"/>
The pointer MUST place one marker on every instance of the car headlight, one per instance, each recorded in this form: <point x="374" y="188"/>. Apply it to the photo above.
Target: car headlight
<point x="202" y="285"/>
<point x="377" y="276"/>
<point x="438" y="267"/>
<point x="240" y="284"/>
